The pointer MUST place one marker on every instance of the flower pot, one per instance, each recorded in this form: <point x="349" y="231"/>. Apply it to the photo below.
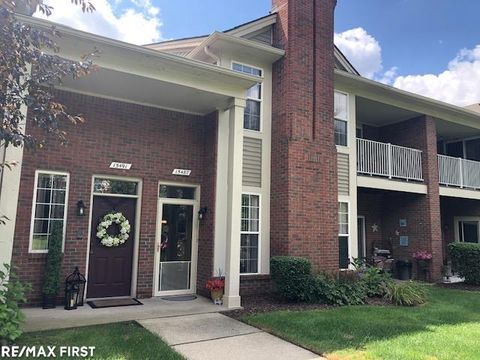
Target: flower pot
<point x="217" y="296"/>
<point x="49" y="301"/>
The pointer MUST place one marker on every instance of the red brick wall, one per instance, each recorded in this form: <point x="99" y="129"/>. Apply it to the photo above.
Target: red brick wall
<point x="304" y="182"/>
<point x="155" y="141"/>
<point x="419" y="133"/>
<point x="253" y="285"/>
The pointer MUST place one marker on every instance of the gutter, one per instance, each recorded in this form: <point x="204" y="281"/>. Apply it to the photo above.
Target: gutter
<point x="45" y="24"/>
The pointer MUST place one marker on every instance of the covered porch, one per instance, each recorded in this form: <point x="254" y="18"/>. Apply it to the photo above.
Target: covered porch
<point x="159" y="117"/>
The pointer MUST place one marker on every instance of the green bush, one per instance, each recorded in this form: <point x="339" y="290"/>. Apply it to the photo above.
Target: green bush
<point x="12" y="294"/>
<point x="375" y="281"/>
<point x="292" y="277"/>
<point x="344" y="291"/>
<point x="51" y="282"/>
<point x="407" y="293"/>
<point x="466" y="261"/>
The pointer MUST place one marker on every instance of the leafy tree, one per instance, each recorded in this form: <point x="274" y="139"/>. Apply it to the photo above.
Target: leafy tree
<point x="28" y="75"/>
<point x="30" y="69"/>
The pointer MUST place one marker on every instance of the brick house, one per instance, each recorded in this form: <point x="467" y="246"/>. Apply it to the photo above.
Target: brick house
<point x="224" y="150"/>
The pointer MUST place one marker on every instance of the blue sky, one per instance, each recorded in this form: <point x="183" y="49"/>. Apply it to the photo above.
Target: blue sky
<point x="431" y="47"/>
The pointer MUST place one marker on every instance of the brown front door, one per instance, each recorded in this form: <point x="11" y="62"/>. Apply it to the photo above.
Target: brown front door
<point x="110" y="268"/>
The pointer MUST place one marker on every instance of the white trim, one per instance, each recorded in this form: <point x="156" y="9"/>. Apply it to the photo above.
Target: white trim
<point x="195" y="234"/>
<point x="138" y="215"/>
<point x="34" y="203"/>
<point x="261" y="100"/>
<point x="459" y="193"/>
<point x="372" y="182"/>
<point x="259" y="233"/>
<point x="458" y="219"/>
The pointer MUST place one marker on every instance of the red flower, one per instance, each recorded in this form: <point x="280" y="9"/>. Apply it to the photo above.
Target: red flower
<point x="422" y="255"/>
<point x="215" y="284"/>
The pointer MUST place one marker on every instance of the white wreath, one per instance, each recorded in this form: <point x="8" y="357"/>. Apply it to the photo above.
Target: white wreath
<point x="109" y="219"/>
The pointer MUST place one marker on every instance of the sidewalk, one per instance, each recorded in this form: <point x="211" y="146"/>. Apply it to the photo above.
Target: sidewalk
<point x="216" y="336"/>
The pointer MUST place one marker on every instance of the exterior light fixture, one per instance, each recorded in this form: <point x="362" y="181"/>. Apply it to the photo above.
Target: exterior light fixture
<point x="80" y="208"/>
<point x="202" y="212"/>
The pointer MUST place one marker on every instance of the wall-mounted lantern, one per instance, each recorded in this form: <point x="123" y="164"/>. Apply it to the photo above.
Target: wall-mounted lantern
<point x="80" y="208"/>
<point x="202" y="212"/>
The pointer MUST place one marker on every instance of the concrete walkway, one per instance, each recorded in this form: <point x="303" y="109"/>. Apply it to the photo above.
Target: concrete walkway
<point x="216" y="336"/>
<point x="38" y="319"/>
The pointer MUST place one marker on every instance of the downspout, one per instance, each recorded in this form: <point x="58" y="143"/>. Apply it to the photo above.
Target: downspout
<point x="209" y="53"/>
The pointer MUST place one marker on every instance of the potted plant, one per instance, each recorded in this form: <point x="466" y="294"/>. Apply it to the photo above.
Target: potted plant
<point x="216" y="286"/>
<point x="423" y="259"/>
<point x="51" y="281"/>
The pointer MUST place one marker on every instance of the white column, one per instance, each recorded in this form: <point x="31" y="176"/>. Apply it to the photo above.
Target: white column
<point x="234" y="204"/>
<point x="9" y="191"/>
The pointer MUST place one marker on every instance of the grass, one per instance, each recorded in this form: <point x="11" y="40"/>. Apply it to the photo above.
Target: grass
<point x="120" y="341"/>
<point x="447" y="327"/>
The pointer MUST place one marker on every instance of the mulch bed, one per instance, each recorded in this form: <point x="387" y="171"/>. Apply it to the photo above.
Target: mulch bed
<point x="459" y="286"/>
<point x="266" y="303"/>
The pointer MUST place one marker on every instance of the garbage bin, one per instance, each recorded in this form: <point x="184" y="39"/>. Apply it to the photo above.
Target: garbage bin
<point x="404" y="269"/>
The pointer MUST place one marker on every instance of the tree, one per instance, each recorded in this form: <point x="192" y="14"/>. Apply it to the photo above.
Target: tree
<point x="29" y="74"/>
<point x="30" y="69"/>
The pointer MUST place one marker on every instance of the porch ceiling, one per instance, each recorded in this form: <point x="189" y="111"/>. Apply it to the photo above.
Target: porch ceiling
<point x="146" y="91"/>
<point x="375" y="113"/>
<point x="447" y="130"/>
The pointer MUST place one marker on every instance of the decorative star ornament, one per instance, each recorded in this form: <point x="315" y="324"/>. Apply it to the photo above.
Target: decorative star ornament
<point x="375" y="228"/>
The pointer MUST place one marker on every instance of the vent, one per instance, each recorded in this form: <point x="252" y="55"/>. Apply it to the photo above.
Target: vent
<point x="252" y="162"/>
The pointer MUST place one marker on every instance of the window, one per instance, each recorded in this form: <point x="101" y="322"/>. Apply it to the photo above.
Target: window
<point x="469" y="231"/>
<point x="341" y="118"/>
<point x="112" y="186"/>
<point x="253" y="108"/>
<point x="343" y="235"/>
<point x="50" y="199"/>
<point x="250" y="234"/>
<point x="177" y="192"/>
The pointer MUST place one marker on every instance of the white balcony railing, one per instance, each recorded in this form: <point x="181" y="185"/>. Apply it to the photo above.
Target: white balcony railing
<point x="387" y="160"/>
<point x="458" y="172"/>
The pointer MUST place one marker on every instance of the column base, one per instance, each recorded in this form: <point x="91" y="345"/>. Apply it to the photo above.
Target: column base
<point x="232" y="302"/>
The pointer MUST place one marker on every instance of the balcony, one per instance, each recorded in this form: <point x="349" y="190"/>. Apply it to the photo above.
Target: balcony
<point x="458" y="172"/>
<point x="389" y="161"/>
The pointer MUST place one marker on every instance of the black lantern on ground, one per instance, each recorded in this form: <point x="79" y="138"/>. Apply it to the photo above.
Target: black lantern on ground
<point x="74" y="290"/>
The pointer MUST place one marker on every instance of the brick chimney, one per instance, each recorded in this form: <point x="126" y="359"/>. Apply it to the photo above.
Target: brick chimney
<point x="304" y="160"/>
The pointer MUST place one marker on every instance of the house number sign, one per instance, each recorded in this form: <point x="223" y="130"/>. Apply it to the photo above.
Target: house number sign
<point x="181" y="172"/>
<point x="120" y="166"/>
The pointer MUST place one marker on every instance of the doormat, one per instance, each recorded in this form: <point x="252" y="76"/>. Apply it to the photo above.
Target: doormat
<point x="180" y="298"/>
<point x="105" y="303"/>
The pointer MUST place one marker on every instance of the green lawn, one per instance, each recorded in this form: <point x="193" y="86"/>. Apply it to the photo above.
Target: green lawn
<point x="113" y="341"/>
<point x="447" y="327"/>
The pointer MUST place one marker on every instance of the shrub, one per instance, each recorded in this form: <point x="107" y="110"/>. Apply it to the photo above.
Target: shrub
<point x="406" y="293"/>
<point x="51" y="282"/>
<point x="375" y="281"/>
<point x="344" y="291"/>
<point x="466" y="261"/>
<point x="292" y="277"/>
<point x="12" y="294"/>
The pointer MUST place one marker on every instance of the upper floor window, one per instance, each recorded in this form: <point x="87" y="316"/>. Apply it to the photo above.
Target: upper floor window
<point x="49" y="206"/>
<point x="341" y="119"/>
<point x="253" y="109"/>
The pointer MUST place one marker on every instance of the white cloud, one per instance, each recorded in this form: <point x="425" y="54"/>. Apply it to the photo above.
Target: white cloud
<point x="459" y="84"/>
<point x="362" y="50"/>
<point x="136" y="23"/>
